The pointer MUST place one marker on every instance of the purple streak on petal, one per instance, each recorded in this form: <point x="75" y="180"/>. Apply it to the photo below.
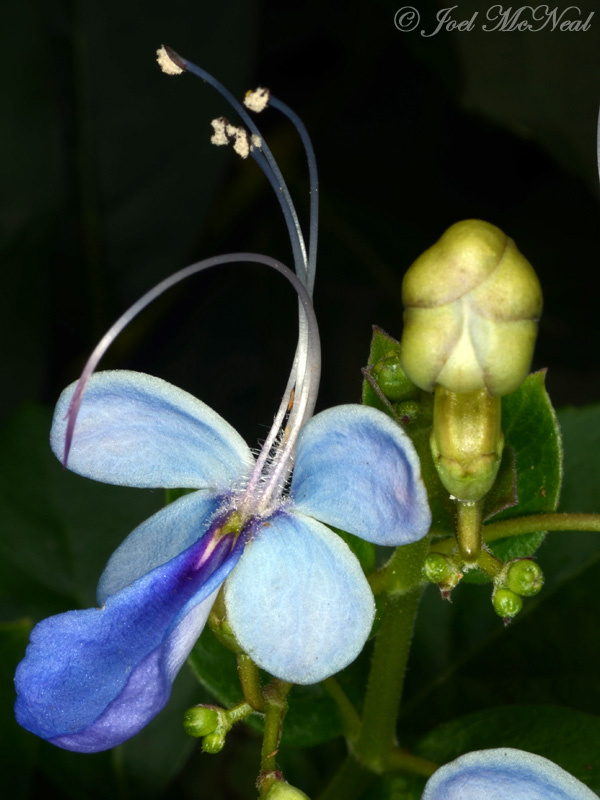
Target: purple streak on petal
<point x="504" y="774"/>
<point x="159" y="539"/>
<point x="92" y="679"/>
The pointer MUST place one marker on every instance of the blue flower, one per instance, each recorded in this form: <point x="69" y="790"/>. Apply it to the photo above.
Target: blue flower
<point x="297" y="600"/>
<point x="504" y="774"/>
<point x="295" y="595"/>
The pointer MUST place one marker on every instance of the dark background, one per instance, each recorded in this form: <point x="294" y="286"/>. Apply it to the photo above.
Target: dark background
<point x="109" y="183"/>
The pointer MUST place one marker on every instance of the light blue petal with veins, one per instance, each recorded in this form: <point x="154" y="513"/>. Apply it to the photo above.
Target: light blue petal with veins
<point x="159" y="539"/>
<point x="92" y="679"/>
<point x="356" y="469"/>
<point x="137" y="430"/>
<point x="298" y="601"/>
<point x="504" y="774"/>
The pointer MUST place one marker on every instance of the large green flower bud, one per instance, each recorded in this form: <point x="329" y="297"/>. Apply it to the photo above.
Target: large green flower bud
<point x="472" y="306"/>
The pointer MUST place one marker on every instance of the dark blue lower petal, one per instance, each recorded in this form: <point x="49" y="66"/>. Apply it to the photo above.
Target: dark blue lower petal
<point x="92" y="679"/>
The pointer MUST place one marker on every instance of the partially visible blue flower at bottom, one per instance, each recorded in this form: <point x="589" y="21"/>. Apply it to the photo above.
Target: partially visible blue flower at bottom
<point x="297" y="600"/>
<point x="504" y="774"/>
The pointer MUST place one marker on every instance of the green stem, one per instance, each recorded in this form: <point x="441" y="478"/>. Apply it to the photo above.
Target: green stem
<point x="377" y="736"/>
<point x="275" y="707"/>
<point x="468" y="529"/>
<point x="541" y="522"/>
<point x="400" y="761"/>
<point x="349" y="715"/>
<point x="250" y="682"/>
<point x="489" y="564"/>
<point x="238" y="712"/>
<point x="531" y="524"/>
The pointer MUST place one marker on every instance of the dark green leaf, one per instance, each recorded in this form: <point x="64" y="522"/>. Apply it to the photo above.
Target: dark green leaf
<point x="569" y="738"/>
<point x="364" y="551"/>
<point x="463" y="659"/>
<point x="59" y="529"/>
<point x="532" y="432"/>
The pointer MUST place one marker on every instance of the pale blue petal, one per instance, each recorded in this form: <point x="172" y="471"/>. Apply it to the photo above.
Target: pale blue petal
<point x="298" y="601"/>
<point x="357" y="470"/>
<point x="159" y="539"/>
<point x="137" y="430"/>
<point x="504" y="774"/>
<point x="92" y="679"/>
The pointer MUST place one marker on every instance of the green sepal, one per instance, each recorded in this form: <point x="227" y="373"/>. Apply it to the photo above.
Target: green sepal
<point x="532" y="431"/>
<point x="394" y="385"/>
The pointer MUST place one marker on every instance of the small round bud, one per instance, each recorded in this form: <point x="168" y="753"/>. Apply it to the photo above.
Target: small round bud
<point x="214" y="742"/>
<point x="200" y="721"/>
<point x="524" y="577"/>
<point x="437" y="568"/>
<point x="506" y="604"/>
<point x="409" y="412"/>
<point x="281" y="790"/>
<point x="392" y="379"/>
<point x="472" y="304"/>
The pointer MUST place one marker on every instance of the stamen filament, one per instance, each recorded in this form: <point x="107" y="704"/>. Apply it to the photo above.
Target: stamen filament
<point x="312" y="355"/>
<point x="264" y="159"/>
<point x="314" y="187"/>
<point x="299" y="398"/>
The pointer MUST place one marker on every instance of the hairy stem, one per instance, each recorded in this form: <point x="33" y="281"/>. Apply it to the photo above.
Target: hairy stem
<point x="275" y="708"/>
<point x="250" y="682"/>
<point x="377" y="736"/>
<point x="541" y="522"/>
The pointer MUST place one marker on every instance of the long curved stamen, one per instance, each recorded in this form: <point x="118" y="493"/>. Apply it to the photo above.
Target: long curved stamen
<point x="263" y="157"/>
<point x="313" y="352"/>
<point x="314" y="187"/>
<point x="297" y="399"/>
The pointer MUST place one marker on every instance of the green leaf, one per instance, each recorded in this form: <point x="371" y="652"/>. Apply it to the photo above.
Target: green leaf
<point x="581" y="433"/>
<point x="567" y="737"/>
<point x="463" y="659"/>
<point x="59" y="528"/>
<point x="532" y="432"/>
<point x="365" y="551"/>
<point x="380" y="389"/>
